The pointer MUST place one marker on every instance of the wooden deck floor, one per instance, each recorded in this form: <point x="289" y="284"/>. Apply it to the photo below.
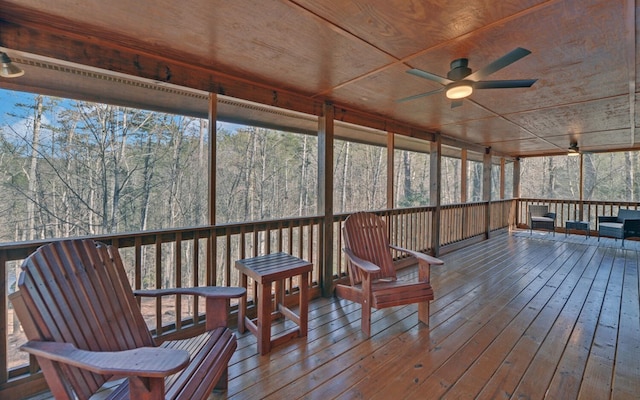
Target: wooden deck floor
<point x="517" y="316"/>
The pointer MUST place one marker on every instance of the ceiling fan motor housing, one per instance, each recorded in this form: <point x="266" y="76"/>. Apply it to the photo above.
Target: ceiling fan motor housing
<point x="459" y="69"/>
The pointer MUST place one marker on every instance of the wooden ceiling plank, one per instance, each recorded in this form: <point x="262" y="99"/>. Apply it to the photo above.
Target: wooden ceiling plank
<point x="405" y="60"/>
<point x="297" y="54"/>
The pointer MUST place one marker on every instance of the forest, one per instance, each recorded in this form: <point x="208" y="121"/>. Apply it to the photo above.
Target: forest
<point x="74" y="168"/>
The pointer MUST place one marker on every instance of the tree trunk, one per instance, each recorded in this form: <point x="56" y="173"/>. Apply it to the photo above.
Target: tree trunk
<point x="628" y="188"/>
<point x="590" y="176"/>
<point x="345" y="170"/>
<point x="408" y="192"/>
<point x="302" y="200"/>
<point x="33" y="170"/>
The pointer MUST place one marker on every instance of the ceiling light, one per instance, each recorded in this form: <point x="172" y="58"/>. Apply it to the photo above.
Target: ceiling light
<point x="574" y="150"/>
<point x="9" y="69"/>
<point x="459" y="90"/>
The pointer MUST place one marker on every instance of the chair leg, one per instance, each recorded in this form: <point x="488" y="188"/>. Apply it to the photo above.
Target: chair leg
<point x="223" y="382"/>
<point x="423" y="312"/>
<point x="366" y="318"/>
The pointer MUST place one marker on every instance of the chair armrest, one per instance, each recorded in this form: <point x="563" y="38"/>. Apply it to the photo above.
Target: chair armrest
<point x="550" y="215"/>
<point x="221" y="292"/>
<point x="364" y="265"/>
<point x="420" y="256"/>
<point x="217" y="305"/>
<point x="606" y="218"/>
<point x="631" y="224"/>
<point x="150" y="362"/>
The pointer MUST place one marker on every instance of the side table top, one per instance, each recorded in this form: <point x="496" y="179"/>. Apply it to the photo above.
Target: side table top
<point x="273" y="267"/>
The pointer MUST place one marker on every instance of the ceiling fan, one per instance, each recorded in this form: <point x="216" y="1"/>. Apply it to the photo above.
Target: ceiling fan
<point x="460" y="82"/>
<point x="573" y="150"/>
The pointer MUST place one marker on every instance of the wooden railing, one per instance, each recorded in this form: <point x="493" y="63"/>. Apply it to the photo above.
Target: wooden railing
<point x="206" y="255"/>
<point x="168" y="258"/>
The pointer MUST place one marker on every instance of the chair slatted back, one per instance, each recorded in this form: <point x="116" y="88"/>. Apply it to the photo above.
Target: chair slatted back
<point x="77" y="291"/>
<point x="367" y="236"/>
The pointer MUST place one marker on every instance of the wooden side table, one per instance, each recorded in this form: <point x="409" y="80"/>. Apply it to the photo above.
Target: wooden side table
<point x="265" y="270"/>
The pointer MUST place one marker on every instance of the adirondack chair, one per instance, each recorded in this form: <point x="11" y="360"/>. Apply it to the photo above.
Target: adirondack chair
<point x="84" y="327"/>
<point x="372" y="274"/>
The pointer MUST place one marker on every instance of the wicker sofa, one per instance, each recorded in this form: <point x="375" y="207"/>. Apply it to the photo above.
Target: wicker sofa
<point x="626" y="224"/>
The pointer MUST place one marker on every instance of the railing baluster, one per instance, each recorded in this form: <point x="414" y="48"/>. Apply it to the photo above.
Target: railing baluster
<point x="158" y="275"/>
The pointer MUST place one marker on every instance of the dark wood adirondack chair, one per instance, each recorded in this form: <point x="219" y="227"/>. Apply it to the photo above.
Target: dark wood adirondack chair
<point x="372" y="274"/>
<point x="85" y="327"/>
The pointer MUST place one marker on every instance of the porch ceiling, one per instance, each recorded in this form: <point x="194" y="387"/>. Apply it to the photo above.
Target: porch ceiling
<point x="297" y="54"/>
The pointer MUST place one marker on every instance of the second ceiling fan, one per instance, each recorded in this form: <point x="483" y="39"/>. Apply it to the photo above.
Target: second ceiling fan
<point x="461" y="82"/>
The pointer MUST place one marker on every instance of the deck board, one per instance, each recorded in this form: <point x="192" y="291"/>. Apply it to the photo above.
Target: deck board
<point x="514" y="317"/>
<point x="517" y="316"/>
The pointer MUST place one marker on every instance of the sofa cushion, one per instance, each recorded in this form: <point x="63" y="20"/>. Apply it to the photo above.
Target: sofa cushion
<point x="541" y="219"/>
<point x="613" y="225"/>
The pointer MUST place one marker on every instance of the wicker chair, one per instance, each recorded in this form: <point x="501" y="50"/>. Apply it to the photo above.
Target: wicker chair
<point x="626" y="224"/>
<point x="541" y="218"/>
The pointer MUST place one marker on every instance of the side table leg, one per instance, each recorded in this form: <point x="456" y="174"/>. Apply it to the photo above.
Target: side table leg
<point x="242" y="306"/>
<point x="304" y="303"/>
<point x="264" y="318"/>
<point x="278" y="298"/>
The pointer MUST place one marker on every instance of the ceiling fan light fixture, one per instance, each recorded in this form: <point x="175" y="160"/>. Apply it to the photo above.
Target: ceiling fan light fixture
<point x="574" y="150"/>
<point x="9" y="69"/>
<point x="459" y="90"/>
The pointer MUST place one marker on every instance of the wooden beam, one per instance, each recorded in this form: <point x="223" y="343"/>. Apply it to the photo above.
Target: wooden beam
<point x="213" y="128"/>
<point x="212" y="242"/>
<point x="516" y="178"/>
<point x="486" y="189"/>
<point x="581" y="211"/>
<point x="325" y="195"/>
<point x="435" y="189"/>
<point x="390" y="170"/>
<point x="502" y="177"/>
<point x="463" y="175"/>
<point x="98" y="53"/>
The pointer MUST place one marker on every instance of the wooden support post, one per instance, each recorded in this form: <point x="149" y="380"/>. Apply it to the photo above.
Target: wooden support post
<point x="435" y="172"/>
<point x="486" y="189"/>
<point x="516" y="190"/>
<point x="516" y="178"/>
<point x="390" y="170"/>
<point x="325" y="195"/>
<point x="581" y="202"/>
<point x="463" y="176"/>
<point x="211" y="239"/>
<point x="502" y="176"/>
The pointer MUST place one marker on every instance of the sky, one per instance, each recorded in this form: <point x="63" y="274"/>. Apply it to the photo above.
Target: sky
<point x="8" y="98"/>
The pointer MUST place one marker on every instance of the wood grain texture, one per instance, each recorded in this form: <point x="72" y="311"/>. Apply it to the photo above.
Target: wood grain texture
<point x="514" y="316"/>
<point x="298" y="54"/>
<point x="84" y="327"/>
